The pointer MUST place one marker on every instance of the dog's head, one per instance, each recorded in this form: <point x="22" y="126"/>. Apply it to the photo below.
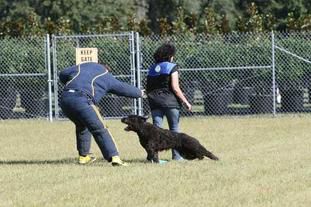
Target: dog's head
<point x="134" y="122"/>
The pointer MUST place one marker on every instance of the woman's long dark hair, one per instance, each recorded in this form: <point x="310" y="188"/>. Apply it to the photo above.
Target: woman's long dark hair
<point x="164" y="53"/>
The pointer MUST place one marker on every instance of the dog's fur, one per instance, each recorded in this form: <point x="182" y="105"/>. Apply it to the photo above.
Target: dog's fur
<point x="155" y="139"/>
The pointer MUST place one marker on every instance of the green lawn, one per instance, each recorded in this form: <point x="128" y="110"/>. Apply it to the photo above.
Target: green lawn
<point x="264" y="162"/>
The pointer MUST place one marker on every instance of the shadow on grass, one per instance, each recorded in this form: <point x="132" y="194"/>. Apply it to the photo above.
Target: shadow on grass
<point x="65" y="161"/>
<point x="143" y="161"/>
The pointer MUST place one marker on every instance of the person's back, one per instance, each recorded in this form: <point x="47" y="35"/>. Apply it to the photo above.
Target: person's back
<point x="95" y="80"/>
<point x="159" y="89"/>
<point x="85" y="84"/>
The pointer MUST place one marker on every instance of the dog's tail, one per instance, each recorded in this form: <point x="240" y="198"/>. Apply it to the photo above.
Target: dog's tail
<point x="210" y="155"/>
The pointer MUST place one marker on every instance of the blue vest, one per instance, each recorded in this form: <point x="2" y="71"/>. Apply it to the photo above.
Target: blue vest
<point x="163" y="68"/>
<point x="159" y="90"/>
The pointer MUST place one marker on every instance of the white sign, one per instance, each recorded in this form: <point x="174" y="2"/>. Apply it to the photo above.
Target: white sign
<point x="86" y="55"/>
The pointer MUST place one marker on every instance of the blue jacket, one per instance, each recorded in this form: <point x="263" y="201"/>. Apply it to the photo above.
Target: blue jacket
<point x="95" y="80"/>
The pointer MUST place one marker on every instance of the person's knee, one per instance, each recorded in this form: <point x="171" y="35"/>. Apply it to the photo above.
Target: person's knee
<point x="174" y="126"/>
<point x="99" y="131"/>
<point x="157" y="123"/>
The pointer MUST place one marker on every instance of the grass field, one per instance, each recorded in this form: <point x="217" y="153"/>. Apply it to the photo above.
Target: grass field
<point x="264" y="162"/>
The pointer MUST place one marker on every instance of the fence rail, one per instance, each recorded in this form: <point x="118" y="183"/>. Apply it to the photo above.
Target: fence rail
<point x="233" y="74"/>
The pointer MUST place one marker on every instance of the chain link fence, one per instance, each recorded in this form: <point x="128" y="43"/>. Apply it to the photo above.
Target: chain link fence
<point x="239" y="74"/>
<point x="115" y="50"/>
<point x="233" y="74"/>
<point x="219" y="74"/>
<point x="23" y="78"/>
<point x="293" y="71"/>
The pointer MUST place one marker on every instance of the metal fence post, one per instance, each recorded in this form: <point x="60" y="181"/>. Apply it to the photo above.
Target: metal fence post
<point x="133" y="66"/>
<point x="55" y="78"/>
<point x="273" y="74"/>
<point x="48" y="54"/>
<point x="139" y="85"/>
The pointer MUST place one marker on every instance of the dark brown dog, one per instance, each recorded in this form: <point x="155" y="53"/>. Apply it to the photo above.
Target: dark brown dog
<point x="155" y="139"/>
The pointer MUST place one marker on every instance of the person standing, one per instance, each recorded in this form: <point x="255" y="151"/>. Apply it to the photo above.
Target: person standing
<point x="163" y="92"/>
<point x="85" y="85"/>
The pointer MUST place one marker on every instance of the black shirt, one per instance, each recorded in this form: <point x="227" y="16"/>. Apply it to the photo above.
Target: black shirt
<point x="159" y="89"/>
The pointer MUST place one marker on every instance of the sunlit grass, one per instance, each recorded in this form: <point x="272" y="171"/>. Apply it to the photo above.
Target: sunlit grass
<point x="264" y="162"/>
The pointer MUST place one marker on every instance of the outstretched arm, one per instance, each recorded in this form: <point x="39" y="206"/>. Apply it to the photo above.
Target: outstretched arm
<point x="124" y="89"/>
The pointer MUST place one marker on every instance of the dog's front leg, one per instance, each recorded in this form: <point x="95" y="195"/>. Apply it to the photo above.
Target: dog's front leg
<point x="149" y="157"/>
<point x="152" y="156"/>
<point x="156" y="157"/>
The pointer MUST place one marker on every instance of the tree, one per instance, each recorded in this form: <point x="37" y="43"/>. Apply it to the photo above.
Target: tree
<point x="210" y="21"/>
<point x="179" y="25"/>
<point x="255" y="21"/>
<point x="159" y="10"/>
<point x="279" y="9"/>
<point x="82" y="14"/>
<point x="32" y="17"/>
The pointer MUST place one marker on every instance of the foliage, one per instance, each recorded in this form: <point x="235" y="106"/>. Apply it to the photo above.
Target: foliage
<point x="291" y="71"/>
<point x="113" y="52"/>
<point x="217" y="52"/>
<point x="179" y="25"/>
<point x="66" y="53"/>
<point x="22" y="55"/>
<point x="210" y="22"/>
<point x="255" y="21"/>
<point x="36" y="18"/>
<point x="164" y="26"/>
<point x="161" y="10"/>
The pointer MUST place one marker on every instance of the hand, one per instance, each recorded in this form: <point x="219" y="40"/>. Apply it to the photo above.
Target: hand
<point x="188" y="106"/>
<point x="143" y="94"/>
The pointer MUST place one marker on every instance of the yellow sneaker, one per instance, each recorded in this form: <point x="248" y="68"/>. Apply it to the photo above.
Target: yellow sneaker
<point x="88" y="159"/>
<point x="116" y="161"/>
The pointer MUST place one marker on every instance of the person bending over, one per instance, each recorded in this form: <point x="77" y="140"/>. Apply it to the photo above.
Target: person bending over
<point x="85" y="85"/>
